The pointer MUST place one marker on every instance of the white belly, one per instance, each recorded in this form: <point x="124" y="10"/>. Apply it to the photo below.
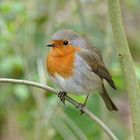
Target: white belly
<point x="83" y="81"/>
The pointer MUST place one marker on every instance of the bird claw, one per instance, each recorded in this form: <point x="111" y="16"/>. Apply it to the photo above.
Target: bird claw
<point x="62" y="95"/>
<point x="81" y="106"/>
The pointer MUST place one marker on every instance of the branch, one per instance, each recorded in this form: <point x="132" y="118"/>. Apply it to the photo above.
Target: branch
<point x="126" y="63"/>
<point x="69" y="99"/>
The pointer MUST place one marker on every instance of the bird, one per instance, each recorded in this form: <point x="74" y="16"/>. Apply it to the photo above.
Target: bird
<point x="76" y="66"/>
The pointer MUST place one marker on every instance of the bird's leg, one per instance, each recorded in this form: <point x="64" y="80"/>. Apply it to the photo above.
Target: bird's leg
<point x="81" y="106"/>
<point x="62" y="95"/>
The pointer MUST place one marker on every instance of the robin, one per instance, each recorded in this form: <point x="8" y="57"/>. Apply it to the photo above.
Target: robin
<point x="77" y="67"/>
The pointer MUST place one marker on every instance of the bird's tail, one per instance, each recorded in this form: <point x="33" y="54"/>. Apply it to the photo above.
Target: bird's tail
<point x="109" y="103"/>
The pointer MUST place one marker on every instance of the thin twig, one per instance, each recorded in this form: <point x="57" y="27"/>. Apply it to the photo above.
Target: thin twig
<point x="69" y="99"/>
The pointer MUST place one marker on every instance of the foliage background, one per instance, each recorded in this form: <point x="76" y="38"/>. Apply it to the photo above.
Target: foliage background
<point x="25" y="28"/>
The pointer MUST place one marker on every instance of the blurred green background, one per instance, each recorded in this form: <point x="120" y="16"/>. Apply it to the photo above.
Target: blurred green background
<point x="28" y="113"/>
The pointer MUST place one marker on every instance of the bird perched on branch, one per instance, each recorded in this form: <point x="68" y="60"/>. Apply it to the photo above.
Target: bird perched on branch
<point x="77" y="67"/>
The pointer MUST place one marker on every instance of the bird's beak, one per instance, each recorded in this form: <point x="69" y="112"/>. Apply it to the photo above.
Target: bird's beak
<point x="50" y="44"/>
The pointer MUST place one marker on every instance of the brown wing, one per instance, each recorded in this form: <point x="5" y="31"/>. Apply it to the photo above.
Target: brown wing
<point x="95" y="61"/>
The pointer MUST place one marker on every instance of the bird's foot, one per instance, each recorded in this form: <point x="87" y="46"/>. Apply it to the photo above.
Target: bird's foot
<point x="62" y="95"/>
<point x="81" y="106"/>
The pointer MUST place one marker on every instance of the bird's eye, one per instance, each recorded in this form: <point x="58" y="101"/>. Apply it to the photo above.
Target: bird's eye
<point x="65" y="42"/>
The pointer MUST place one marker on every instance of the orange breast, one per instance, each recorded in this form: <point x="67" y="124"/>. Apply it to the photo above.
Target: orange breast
<point x="61" y="61"/>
